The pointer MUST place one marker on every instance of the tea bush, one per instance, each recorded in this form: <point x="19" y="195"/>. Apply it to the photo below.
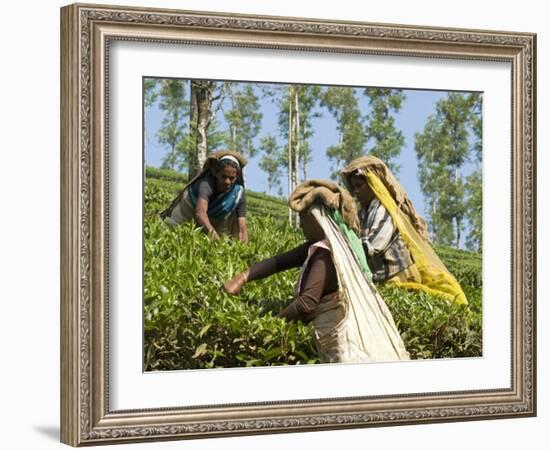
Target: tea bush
<point x="190" y="323"/>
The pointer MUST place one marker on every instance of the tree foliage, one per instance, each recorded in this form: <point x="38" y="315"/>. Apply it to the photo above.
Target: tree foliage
<point x="474" y="207"/>
<point x="200" y="116"/>
<point x="296" y="109"/>
<point x="150" y="91"/>
<point x="243" y="118"/>
<point x="474" y="190"/>
<point x="343" y="104"/>
<point x="442" y="150"/>
<point x="380" y="125"/>
<point x="176" y="110"/>
<point x="272" y="162"/>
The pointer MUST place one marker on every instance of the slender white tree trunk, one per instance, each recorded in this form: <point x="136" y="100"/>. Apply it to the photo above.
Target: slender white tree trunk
<point x="192" y="157"/>
<point x="290" y="188"/>
<point x="297" y="147"/>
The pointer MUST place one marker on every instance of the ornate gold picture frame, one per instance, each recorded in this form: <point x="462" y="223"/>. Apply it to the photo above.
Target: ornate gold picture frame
<point x="87" y="413"/>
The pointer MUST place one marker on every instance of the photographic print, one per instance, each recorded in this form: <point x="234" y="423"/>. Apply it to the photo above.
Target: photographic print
<point x="252" y="201"/>
<point x="291" y="224"/>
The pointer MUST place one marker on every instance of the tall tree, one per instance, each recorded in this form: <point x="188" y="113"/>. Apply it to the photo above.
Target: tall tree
<point x="474" y="190"/>
<point x="380" y="124"/>
<point x="296" y="105"/>
<point x="476" y="125"/>
<point x="150" y="91"/>
<point x="433" y="178"/>
<point x="342" y="103"/>
<point x="204" y="95"/>
<point x="175" y="108"/>
<point x="272" y="161"/>
<point x="244" y="118"/>
<point x="150" y="96"/>
<point x="474" y="208"/>
<point x="442" y="150"/>
<point x="307" y="101"/>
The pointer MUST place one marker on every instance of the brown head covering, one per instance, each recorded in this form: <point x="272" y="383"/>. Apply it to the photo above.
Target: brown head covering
<point x="209" y="165"/>
<point x="364" y="164"/>
<point x="328" y="194"/>
<point x="213" y="158"/>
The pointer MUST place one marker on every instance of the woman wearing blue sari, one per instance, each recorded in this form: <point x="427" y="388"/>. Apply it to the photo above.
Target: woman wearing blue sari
<point x="215" y="198"/>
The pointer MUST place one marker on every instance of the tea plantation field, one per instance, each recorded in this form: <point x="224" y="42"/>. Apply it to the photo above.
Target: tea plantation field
<point x="189" y="323"/>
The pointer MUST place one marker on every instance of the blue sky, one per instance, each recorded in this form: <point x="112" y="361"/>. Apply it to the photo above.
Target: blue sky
<point x="417" y="107"/>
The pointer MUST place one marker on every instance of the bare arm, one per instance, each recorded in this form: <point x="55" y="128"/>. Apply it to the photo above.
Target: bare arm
<point x="267" y="267"/>
<point x="201" y="216"/>
<point x="243" y="230"/>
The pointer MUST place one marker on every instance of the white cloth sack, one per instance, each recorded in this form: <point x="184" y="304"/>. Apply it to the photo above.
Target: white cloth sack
<point x="355" y="325"/>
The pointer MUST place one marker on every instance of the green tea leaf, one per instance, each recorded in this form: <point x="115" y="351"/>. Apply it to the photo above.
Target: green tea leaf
<point x="200" y="350"/>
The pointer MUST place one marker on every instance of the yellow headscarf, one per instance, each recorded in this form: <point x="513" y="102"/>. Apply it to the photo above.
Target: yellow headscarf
<point x="436" y="278"/>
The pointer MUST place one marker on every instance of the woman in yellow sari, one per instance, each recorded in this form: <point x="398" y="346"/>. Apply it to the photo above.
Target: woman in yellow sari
<point x="395" y="238"/>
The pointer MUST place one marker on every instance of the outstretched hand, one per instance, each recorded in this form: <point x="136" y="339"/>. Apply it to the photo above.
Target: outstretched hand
<point x="235" y="284"/>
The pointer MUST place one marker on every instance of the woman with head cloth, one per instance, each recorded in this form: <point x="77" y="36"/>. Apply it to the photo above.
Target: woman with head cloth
<point x="394" y="237"/>
<point x="215" y="198"/>
<point x="334" y="291"/>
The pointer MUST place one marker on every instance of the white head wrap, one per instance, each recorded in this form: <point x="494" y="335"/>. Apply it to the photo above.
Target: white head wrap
<point x="231" y="158"/>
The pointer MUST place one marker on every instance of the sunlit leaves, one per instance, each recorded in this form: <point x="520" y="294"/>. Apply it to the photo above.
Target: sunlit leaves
<point x="190" y="323"/>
